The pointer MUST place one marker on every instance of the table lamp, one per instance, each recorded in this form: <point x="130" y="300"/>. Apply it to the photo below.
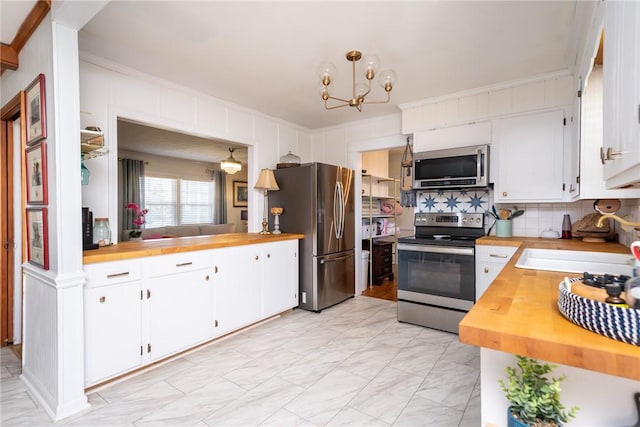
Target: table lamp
<point x="266" y="182"/>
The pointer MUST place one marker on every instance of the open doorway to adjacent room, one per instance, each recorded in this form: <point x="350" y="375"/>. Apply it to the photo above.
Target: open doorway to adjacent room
<point x="381" y="172"/>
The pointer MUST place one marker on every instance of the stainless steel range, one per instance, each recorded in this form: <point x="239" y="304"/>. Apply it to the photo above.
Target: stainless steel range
<point x="436" y="269"/>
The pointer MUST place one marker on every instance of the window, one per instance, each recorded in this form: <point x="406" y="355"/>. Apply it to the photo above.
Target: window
<point x="175" y="201"/>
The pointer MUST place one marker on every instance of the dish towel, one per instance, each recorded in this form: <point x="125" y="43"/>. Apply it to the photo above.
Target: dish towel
<point x="407" y="193"/>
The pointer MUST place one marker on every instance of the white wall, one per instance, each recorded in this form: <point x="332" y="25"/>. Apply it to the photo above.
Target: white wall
<point x="53" y="319"/>
<point x="109" y="91"/>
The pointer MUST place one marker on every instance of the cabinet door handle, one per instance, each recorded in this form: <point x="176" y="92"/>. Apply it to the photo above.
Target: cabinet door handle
<point x="486" y="270"/>
<point x="497" y="256"/>
<point x="215" y="269"/>
<point x="257" y="257"/>
<point x="111" y="276"/>
<point x="268" y="255"/>
<point x="504" y="194"/>
<point x="103" y="299"/>
<point x="184" y="264"/>
<point x="207" y="278"/>
<point x="148" y="293"/>
<point x="609" y="154"/>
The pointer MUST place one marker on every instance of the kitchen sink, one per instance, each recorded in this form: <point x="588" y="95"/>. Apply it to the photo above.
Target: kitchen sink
<point x="576" y="261"/>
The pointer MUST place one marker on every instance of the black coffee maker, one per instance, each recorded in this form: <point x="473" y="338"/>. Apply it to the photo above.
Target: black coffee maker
<point x="87" y="230"/>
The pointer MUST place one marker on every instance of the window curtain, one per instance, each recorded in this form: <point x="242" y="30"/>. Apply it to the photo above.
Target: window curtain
<point x="132" y="189"/>
<point x="219" y="197"/>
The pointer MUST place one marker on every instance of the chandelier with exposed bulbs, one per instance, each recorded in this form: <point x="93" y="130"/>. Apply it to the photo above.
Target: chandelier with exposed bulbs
<point x="360" y="91"/>
<point x="231" y="165"/>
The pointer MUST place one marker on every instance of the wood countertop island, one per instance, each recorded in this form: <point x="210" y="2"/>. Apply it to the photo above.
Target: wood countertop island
<point x="145" y="248"/>
<point x="518" y="314"/>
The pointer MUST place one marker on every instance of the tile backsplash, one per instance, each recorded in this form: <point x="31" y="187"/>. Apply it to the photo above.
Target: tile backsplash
<point x="537" y="216"/>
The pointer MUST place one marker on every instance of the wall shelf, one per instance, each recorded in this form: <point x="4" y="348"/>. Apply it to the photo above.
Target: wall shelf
<point x="92" y="144"/>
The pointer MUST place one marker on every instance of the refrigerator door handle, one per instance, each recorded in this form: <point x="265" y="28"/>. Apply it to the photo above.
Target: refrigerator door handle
<point x="341" y="209"/>
<point x="322" y="261"/>
<point x="336" y="210"/>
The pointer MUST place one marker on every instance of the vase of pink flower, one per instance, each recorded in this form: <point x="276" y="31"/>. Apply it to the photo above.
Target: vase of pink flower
<point x="138" y="221"/>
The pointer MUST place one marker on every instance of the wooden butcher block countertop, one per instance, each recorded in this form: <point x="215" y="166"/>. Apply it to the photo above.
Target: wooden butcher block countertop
<point x="145" y="248"/>
<point x="518" y="314"/>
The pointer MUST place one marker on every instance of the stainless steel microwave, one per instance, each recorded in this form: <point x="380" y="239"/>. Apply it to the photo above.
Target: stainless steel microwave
<point x="451" y="168"/>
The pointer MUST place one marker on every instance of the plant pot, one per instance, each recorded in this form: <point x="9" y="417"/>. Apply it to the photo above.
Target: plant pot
<point x="513" y="421"/>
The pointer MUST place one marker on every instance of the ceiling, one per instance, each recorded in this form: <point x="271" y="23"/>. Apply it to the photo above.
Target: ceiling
<point x="264" y="55"/>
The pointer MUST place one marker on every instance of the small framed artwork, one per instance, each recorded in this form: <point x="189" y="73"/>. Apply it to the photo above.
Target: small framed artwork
<point x="240" y="194"/>
<point x="38" y="237"/>
<point x="36" y="164"/>
<point x="36" y="111"/>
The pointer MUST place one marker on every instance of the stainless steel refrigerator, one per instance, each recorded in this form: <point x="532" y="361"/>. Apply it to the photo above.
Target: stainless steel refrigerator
<point x="318" y="202"/>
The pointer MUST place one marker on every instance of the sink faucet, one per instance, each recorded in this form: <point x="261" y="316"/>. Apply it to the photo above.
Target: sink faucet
<point x="635" y="225"/>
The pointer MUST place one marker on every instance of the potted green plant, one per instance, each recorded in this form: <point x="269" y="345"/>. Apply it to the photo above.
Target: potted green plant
<point x="534" y="398"/>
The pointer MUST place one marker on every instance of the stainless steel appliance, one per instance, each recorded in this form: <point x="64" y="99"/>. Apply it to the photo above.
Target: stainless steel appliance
<point x="318" y="201"/>
<point x="452" y="168"/>
<point x="436" y="269"/>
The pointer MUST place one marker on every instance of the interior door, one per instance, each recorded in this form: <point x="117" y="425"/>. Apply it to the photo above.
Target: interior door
<point x="10" y="125"/>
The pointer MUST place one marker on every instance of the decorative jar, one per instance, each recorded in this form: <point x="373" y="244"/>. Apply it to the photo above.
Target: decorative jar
<point x="101" y="232"/>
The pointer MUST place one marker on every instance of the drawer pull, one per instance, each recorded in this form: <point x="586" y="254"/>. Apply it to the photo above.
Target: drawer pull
<point x="111" y="276"/>
<point x="184" y="264"/>
<point x="497" y="256"/>
<point x="103" y="299"/>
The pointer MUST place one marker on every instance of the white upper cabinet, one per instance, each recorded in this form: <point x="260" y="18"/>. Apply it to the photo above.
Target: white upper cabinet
<point x="621" y="144"/>
<point x="452" y="137"/>
<point x="592" y="183"/>
<point x="527" y="155"/>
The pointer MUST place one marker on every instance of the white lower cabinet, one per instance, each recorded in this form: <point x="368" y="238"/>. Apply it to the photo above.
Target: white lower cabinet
<point x="141" y="310"/>
<point x="112" y="316"/>
<point x="180" y="312"/>
<point x="490" y="260"/>
<point x="237" y="295"/>
<point x="279" y="279"/>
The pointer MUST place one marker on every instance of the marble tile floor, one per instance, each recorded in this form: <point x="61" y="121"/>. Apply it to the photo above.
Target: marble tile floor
<point x="353" y="364"/>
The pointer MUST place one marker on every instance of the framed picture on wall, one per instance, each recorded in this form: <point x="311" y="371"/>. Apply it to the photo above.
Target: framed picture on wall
<point x="36" y="111"/>
<point x="240" y="194"/>
<point x="38" y="237"/>
<point x="36" y="167"/>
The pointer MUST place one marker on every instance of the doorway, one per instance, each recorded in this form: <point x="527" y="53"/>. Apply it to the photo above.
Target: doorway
<point x="11" y="252"/>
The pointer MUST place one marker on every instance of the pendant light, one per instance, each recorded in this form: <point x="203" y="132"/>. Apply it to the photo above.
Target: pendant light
<point x="231" y="165"/>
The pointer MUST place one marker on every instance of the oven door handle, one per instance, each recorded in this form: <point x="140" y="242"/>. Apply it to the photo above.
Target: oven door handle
<point x="435" y="249"/>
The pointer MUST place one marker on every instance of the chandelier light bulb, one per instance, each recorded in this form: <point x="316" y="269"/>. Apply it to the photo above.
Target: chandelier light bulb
<point x="325" y="93"/>
<point x="361" y="90"/>
<point x="326" y="72"/>
<point x="387" y="79"/>
<point x="370" y="64"/>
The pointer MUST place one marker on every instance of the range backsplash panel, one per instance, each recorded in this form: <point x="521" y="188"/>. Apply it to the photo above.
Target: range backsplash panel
<point x="472" y="201"/>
